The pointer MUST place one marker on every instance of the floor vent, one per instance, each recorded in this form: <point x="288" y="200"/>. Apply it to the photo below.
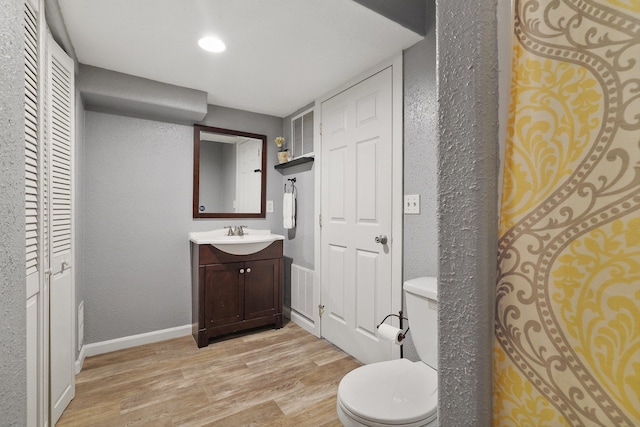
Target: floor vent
<point x="302" y="291"/>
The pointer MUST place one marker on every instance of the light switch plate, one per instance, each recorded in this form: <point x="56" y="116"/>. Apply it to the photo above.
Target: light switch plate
<point x="412" y="204"/>
<point x="269" y="206"/>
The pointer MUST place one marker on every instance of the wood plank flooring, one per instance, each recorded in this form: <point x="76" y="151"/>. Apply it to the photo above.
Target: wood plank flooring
<point x="284" y="377"/>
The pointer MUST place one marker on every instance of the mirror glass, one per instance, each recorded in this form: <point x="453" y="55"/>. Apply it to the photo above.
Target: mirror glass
<point x="229" y="173"/>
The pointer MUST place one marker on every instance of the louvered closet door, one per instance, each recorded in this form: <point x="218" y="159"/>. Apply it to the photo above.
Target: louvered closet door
<point x="32" y="151"/>
<point x="36" y="296"/>
<point x="60" y="139"/>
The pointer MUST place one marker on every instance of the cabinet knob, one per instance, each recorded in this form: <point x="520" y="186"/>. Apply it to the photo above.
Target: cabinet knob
<point x="248" y="270"/>
<point x="242" y="271"/>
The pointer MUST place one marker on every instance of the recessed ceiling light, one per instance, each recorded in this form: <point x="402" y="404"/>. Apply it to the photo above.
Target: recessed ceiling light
<point x="212" y="44"/>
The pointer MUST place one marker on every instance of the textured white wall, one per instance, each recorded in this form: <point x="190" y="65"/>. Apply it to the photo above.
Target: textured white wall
<point x="467" y="208"/>
<point x="12" y="242"/>
<point x="420" y="161"/>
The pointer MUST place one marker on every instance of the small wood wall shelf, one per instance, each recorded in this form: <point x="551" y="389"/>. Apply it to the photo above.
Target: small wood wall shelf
<point x="294" y="162"/>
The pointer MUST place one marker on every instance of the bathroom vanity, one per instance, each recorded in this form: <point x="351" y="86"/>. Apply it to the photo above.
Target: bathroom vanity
<point x="233" y="292"/>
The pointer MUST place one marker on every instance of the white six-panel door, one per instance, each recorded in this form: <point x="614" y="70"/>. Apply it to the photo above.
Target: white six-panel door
<point x="357" y="177"/>
<point x="248" y="181"/>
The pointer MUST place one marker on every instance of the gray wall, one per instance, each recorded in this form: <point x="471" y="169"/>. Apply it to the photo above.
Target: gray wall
<point x="137" y="215"/>
<point x="13" y="386"/>
<point x="137" y="199"/>
<point x="420" y="161"/>
<point x="467" y="208"/>
<point x="113" y="92"/>
<point x="299" y="246"/>
<point x="299" y="242"/>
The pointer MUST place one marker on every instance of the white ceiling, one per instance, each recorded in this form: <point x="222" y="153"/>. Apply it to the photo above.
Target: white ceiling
<point x="281" y="54"/>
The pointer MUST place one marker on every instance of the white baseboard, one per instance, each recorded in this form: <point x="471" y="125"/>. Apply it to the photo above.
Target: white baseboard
<point x="303" y="322"/>
<point x="80" y="361"/>
<point x="102" y="347"/>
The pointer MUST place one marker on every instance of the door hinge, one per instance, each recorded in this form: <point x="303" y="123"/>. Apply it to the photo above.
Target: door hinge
<point x="320" y="309"/>
<point x="320" y="220"/>
<point x="320" y="128"/>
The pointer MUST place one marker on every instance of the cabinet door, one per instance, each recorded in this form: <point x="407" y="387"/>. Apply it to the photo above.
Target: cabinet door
<point x="261" y="288"/>
<point x="223" y="294"/>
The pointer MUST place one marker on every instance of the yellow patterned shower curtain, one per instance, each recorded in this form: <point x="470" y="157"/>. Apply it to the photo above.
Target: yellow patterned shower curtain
<point x="567" y="331"/>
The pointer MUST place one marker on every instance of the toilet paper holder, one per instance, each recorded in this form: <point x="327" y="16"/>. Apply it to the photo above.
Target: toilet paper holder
<point x="399" y="316"/>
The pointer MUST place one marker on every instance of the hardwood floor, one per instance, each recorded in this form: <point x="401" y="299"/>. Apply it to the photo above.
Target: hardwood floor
<point x="284" y="377"/>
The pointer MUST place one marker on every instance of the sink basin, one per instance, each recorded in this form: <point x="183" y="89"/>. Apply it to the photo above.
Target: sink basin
<point x="253" y="240"/>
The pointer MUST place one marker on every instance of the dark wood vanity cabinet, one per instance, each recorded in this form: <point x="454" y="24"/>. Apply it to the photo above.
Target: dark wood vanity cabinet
<point x="232" y="293"/>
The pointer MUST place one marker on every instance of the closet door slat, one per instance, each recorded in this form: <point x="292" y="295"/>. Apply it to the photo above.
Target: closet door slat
<point x="32" y="150"/>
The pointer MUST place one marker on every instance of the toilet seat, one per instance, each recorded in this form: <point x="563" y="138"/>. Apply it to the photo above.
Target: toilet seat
<point x="394" y="393"/>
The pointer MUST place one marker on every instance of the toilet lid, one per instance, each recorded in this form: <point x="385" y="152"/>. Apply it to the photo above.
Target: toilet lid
<point x="393" y="392"/>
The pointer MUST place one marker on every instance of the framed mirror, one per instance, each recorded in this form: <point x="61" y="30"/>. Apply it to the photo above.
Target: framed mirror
<point x="229" y="173"/>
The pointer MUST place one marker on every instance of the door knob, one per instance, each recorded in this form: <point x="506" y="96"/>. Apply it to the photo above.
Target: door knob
<point x="248" y="270"/>
<point x="242" y="271"/>
<point x="382" y="239"/>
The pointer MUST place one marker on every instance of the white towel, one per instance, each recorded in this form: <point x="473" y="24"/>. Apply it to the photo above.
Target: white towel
<point x="289" y="210"/>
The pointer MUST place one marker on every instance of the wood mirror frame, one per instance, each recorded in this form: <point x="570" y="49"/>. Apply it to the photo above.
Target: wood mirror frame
<point x="197" y="129"/>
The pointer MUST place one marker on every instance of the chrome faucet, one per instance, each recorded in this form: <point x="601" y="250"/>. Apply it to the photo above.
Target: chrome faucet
<point x="235" y="231"/>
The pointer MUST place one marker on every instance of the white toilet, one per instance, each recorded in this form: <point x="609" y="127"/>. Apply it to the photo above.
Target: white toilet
<point x="399" y="392"/>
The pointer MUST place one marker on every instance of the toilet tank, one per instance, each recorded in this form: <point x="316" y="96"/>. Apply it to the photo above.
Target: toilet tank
<point x="422" y="311"/>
